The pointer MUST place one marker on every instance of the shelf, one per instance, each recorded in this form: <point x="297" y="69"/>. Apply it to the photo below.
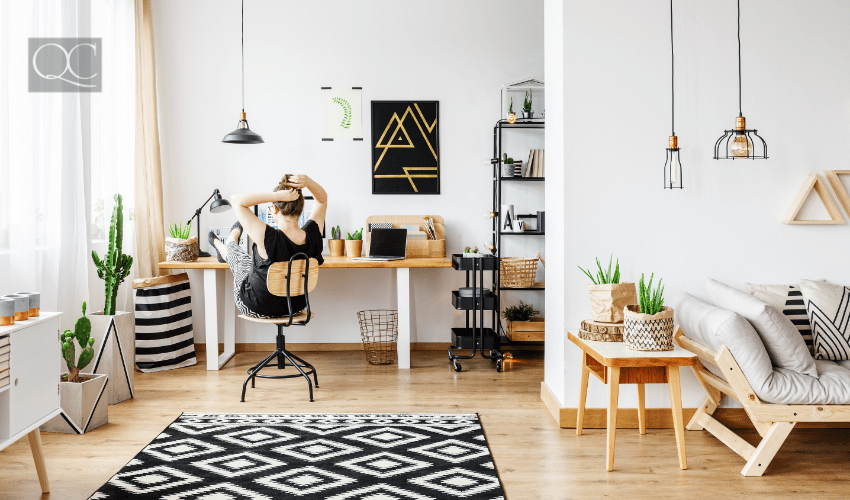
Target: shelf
<point x="524" y="233"/>
<point x="461" y="263"/>
<point x="474" y="303"/>
<point x="462" y="338"/>
<point x="522" y="123"/>
<point x="523" y="288"/>
<point x="522" y="179"/>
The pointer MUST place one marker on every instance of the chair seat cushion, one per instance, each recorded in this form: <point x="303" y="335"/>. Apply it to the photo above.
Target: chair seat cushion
<point x="300" y="318"/>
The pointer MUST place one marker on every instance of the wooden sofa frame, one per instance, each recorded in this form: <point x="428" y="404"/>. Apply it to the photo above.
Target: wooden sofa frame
<point x="772" y="421"/>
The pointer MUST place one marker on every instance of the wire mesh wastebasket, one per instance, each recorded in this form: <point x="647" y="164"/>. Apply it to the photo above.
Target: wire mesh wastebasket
<point x="379" y="331"/>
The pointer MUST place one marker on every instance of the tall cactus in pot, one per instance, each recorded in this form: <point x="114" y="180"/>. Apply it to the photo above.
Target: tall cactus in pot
<point x="115" y="266"/>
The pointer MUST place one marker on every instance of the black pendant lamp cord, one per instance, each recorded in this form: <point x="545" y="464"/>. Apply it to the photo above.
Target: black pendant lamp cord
<point x="740" y="109"/>
<point x="672" y="77"/>
<point x="243" y="56"/>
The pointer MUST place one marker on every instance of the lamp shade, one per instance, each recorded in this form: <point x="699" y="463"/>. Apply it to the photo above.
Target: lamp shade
<point x="219" y="204"/>
<point x="243" y="135"/>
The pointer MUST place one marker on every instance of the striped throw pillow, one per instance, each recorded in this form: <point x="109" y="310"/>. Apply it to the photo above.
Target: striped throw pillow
<point x="787" y="299"/>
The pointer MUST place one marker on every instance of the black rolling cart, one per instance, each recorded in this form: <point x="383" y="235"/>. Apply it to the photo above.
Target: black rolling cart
<point x="475" y="302"/>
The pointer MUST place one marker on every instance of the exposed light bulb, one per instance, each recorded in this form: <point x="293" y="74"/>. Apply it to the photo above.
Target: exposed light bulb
<point x="674" y="168"/>
<point x="740" y="146"/>
<point x="511" y="117"/>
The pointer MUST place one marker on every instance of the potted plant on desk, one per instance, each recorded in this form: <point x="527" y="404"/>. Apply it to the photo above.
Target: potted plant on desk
<point x="336" y="245"/>
<point x="114" y="331"/>
<point x="649" y="325"/>
<point x="354" y="244"/>
<point x="80" y="394"/>
<point x="608" y="297"/>
<point x="180" y="247"/>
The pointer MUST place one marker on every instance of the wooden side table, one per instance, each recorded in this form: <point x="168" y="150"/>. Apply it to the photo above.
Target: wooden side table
<point x="613" y="364"/>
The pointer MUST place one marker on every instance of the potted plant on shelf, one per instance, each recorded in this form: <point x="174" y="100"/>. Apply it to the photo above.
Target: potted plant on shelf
<point x="354" y="243"/>
<point x="649" y="324"/>
<point x="608" y="297"/>
<point x="336" y="245"/>
<point x="522" y="324"/>
<point x="180" y="247"/>
<point x="80" y="394"/>
<point x="508" y="166"/>
<point x="526" y="106"/>
<point x="114" y="331"/>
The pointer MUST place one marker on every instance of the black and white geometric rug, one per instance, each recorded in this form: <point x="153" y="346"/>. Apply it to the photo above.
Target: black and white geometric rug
<point x="347" y="456"/>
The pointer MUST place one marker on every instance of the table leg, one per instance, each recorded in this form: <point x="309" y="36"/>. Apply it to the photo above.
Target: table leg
<point x="211" y="317"/>
<point x="582" y="397"/>
<point x="641" y="394"/>
<point x="38" y="458"/>
<point x="613" y="399"/>
<point x="229" y="320"/>
<point x="676" y="406"/>
<point x="404" y="326"/>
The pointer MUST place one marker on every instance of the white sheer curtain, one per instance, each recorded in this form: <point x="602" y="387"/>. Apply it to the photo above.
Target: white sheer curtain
<point x="59" y="152"/>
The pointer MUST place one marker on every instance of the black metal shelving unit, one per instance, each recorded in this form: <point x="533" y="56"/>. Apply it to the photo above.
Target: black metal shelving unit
<point x="500" y="127"/>
<point x="475" y="335"/>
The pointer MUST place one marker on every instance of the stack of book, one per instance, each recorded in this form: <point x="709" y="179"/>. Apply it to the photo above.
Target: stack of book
<point x="4" y="361"/>
<point x="536" y="165"/>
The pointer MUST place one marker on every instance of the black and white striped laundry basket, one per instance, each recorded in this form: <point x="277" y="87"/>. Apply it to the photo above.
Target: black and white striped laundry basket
<point x="164" y="336"/>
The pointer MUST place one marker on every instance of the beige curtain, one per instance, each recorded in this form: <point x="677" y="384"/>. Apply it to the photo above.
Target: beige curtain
<point x="150" y="232"/>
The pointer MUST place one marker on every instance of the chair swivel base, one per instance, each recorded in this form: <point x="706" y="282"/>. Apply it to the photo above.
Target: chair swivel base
<point x="304" y="368"/>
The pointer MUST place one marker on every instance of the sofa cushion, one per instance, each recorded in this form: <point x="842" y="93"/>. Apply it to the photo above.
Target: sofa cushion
<point x="713" y="327"/>
<point x="828" y="307"/>
<point x="787" y="299"/>
<point x="783" y="342"/>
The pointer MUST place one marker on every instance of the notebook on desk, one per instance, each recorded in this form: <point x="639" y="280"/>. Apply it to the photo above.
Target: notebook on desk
<point x="386" y="245"/>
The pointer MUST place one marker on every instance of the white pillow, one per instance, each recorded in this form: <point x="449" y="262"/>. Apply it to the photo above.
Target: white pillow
<point x="783" y="342"/>
<point x="828" y="307"/>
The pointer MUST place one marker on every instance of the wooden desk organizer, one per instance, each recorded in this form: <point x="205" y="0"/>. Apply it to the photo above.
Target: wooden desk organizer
<point x="416" y="247"/>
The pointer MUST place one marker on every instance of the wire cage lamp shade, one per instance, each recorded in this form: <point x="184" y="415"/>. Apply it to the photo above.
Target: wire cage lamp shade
<point x="243" y="133"/>
<point x="740" y="143"/>
<point x="672" y="163"/>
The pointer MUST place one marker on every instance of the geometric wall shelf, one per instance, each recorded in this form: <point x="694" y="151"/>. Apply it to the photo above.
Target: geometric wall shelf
<point x="838" y="187"/>
<point x="813" y="183"/>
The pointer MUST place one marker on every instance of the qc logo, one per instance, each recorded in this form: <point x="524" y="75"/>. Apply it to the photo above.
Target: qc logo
<point x="64" y="65"/>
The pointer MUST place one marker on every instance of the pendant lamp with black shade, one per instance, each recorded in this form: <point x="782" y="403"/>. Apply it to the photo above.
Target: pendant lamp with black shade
<point x="740" y="143"/>
<point x="673" y="164"/>
<point x="243" y="133"/>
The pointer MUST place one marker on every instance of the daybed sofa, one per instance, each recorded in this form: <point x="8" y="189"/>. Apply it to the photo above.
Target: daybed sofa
<point x="776" y="383"/>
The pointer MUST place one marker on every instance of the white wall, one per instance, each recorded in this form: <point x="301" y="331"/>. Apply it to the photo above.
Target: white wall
<point x="726" y="222"/>
<point x="454" y="52"/>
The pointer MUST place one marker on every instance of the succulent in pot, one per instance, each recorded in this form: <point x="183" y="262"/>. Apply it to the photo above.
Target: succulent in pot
<point x="354" y="243"/>
<point x="526" y="105"/>
<point x="608" y="296"/>
<point x="648" y="325"/>
<point x="336" y="245"/>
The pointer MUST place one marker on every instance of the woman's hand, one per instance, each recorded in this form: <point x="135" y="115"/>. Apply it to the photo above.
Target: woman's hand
<point x="286" y="195"/>
<point x="299" y="181"/>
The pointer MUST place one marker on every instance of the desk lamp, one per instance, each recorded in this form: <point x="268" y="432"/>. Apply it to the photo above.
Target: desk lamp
<point x="218" y="205"/>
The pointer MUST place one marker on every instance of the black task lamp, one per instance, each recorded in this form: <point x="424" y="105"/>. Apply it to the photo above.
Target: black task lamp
<point x="218" y="205"/>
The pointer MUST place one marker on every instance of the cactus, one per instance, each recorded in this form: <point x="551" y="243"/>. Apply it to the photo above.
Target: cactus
<point x="115" y="266"/>
<point x="336" y="233"/>
<point x="82" y="332"/>
<point x="511" y="107"/>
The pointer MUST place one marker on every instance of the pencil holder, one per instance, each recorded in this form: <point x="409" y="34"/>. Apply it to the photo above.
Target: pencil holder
<point x="22" y="306"/>
<point x="7" y="312"/>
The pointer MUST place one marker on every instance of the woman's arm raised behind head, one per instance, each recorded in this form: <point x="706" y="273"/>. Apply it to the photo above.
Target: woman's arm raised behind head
<point x="256" y="228"/>
<point x="320" y="205"/>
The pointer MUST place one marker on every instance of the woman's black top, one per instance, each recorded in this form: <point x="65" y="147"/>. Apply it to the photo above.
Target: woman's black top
<point x="255" y="290"/>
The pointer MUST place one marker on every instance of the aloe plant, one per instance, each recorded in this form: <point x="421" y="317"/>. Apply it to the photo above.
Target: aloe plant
<point x="651" y="301"/>
<point x="356" y="236"/>
<point x="604" y="277"/>
<point x="336" y="233"/>
<point x="180" y="232"/>
<point x="526" y="106"/>
<point x="82" y="333"/>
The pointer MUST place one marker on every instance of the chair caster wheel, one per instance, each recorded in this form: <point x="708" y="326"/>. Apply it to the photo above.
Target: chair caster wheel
<point x="457" y="366"/>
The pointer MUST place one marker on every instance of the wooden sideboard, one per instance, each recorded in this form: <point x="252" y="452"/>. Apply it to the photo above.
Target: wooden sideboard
<point x="29" y="389"/>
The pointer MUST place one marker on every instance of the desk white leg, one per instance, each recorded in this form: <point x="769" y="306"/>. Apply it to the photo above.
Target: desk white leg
<point x="211" y="317"/>
<point x="403" y="290"/>
<point x="229" y="320"/>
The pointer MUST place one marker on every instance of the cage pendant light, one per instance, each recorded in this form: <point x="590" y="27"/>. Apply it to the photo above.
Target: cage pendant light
<point x="673" y="164"/>
<point x="740" y="143"/>
<point x="243" y="133"/>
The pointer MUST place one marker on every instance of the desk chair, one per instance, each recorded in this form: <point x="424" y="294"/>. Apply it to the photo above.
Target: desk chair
<point x="288" y="279"/>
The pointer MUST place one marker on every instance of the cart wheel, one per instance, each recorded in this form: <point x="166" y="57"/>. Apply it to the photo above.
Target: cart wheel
<point x="499" y="365"/>
<point x="451" y="358"/>
<point x="457" y="366"/>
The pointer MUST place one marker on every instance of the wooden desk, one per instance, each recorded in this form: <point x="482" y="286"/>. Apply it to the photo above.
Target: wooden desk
<point x="613" y="364"/>
<point x="212" y="268"/>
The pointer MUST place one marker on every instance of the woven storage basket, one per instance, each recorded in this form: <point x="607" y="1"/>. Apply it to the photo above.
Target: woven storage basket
<point x="517" y="272"/>
<point x="379" y="331"/>
<point x="648" y="332"/>
<point x="181" y="250"/>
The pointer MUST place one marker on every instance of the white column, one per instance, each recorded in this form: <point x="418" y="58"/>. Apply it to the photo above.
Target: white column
<point x="403" y="291"/>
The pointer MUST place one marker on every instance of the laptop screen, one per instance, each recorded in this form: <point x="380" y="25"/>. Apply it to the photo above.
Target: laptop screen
<point x="388" y="242"/>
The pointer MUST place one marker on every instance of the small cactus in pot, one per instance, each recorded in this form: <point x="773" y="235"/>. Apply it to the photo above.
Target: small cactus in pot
<point x="336" y="244"/>
<point x="82" y="334"/>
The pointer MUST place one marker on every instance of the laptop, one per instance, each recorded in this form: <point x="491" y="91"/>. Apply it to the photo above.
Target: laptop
<point x="387" y="244"/>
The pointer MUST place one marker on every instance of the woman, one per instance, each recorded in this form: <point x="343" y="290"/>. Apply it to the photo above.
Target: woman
<point x="250" y="288"/>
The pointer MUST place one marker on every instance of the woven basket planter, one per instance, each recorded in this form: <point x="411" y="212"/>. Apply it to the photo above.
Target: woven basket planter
<point x="648" y="332"/>
<point x="517" y="272"/>
<point x="608" y="301"/>
<point x="181" y="250"/>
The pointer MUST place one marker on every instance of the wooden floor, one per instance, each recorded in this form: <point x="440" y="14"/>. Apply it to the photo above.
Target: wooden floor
<point x="535" y="458"/>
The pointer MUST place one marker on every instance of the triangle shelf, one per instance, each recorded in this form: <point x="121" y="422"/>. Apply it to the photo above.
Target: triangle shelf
<point x="813" y="183"/>
<point x="840" y="191"/>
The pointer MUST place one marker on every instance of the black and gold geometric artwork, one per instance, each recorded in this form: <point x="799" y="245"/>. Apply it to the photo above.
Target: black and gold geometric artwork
<point x="405" y="147"/>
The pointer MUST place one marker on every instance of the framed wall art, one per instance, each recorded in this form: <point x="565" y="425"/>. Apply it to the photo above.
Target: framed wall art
<point x="405" y="147"/>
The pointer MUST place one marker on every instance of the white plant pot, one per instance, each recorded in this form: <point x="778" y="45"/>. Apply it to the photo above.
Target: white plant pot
<point x="83" y="404"/>
<point x="117" y="356"/>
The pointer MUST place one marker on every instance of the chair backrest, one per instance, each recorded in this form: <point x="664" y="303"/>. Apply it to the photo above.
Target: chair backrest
<point x="278" y="277"/>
